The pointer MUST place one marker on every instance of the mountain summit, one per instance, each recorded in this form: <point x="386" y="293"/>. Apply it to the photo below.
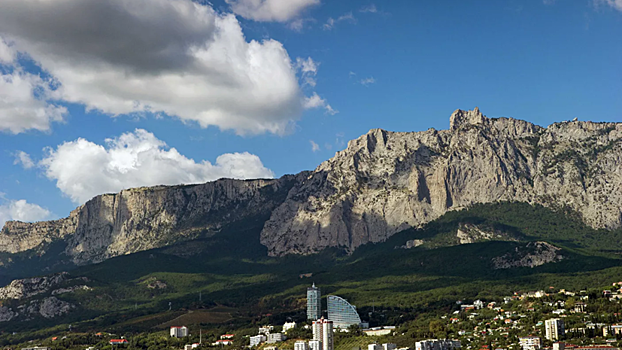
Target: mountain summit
<point x="382" y="183"/>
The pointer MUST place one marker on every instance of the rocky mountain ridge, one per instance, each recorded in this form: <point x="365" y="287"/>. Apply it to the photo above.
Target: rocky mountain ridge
<point x="382" y="183"/>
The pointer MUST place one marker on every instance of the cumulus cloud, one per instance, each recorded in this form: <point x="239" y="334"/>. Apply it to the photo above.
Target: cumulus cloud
<point x="24" y="159"/>
<point x="24" y="97"/>
<point x="83" y="169"/>
<point x="314" y="146"/>
<point x="173" y="57"/>
<point x="315" y="101"/>
<point x="21" y="210"/>
<point x="270" y="10"/>
<point x="331" y="22"/>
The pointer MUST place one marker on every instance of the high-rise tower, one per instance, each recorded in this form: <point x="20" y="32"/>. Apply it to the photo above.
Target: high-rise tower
<point x="314" y="303"/>
<point x="323" y="332"/>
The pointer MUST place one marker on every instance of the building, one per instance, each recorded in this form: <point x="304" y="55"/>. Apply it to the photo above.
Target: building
<point x="435" y="344"/>
<point x="379" y="331"/>
<point x="223" y="342"/>
<point x="559" y="346"/>
<point x="266" y="330"/>
<point x="118" y="341"/>
<point x="616" y="329"/>
<point x="323" y="332"/>
<point x="554" y="329"/>
<point x="530" y="343"/>
<point x="288" y="325"/>
<point x="315" y="345"/>
<point x="301" y="345"/>
<point x="227" y="336"/>
<point x="374" y="346"/>
<point x="275" y="338"/>
<point x="314" y="303"/>
<point x="342" y="313"/>
<point x="258" y="339"/>
<point x="270" y="348"/>
<point x="389" y="346"/>
<point x="179" y="332"/>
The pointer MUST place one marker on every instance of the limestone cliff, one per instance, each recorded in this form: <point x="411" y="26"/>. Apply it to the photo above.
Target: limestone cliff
<point x="385" y="182"/>
<point x="145" y="218"/>
<point x="382" y="183"/>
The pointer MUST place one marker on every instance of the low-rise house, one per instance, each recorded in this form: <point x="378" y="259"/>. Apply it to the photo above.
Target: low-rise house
<point x="227" y="336"/>
<point x="530" y="343"/>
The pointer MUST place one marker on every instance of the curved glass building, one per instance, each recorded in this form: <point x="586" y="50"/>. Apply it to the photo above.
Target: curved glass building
<point x="342" y="313"/>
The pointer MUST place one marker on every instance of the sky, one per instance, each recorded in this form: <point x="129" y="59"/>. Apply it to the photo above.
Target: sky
<point x="99" y="96"/>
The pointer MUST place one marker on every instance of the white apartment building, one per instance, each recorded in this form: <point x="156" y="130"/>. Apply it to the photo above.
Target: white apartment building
<point x="554" y="329"/>
<point x="258" y="339"/>
<point x="315" y="345"/>
<point x="288" y="325"/>
<point x="530" y="343"/>
<point x="179" y="332"/>
<point x="323" y="331"/>
<point x="389" y="346"/>
<point x="301" y="345"/>
<point x="374" y="346"/>
<point x="275" y="338"/>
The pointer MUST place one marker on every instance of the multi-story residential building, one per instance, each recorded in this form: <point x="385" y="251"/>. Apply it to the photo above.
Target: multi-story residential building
<point x="530" y="343"/>
<point x="258" y="339"/>
<point x="179" y="332"/>
<point x="554" y="329"/>
<point x="342" y="313"/>
<point x="301" y="345"/>
<point x="314" y="303"/>
<point x="616" y="329"/>
<point x="315" y="345"/>
<point x="559" y="346"/>
<point x="374" y="346"/>
<point x="435" y="344"/>
<point x="275" y="338"/>
<point x="323" y="331"/>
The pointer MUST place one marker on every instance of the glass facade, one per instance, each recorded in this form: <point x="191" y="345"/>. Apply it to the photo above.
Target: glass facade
<point x="314" y="303"/>
<point x="342" y="313"/>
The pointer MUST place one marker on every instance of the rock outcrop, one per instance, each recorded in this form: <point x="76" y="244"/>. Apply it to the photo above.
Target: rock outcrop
<point x="385" y="182"/>
<point x="533" y="254"/>
<point x="28" y="287"/>
<point x="145" y="218"/>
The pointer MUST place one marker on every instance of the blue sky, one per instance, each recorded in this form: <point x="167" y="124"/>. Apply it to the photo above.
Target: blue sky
<point x="396" y="65"/>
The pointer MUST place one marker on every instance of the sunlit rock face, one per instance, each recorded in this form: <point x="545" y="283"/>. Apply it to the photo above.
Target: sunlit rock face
<point x="385" y="182"/>
<point x="382" y="183"/>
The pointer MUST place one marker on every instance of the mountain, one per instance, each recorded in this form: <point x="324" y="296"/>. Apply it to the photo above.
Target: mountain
<point x="382" y="183"/>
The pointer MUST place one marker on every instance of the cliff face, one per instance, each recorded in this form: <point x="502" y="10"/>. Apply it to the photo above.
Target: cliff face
<point x="385" y="182"/>
<point x="146" y="218"/>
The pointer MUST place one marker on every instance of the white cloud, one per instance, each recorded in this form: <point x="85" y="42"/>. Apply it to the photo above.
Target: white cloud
<point x="308" y="69"/>
<point x="21" y="210"/>
<point x="314" y="146"/>
<point x="270" y="10"/>
<point x="370" y="8"/>
<point x="315" y="101"/>
<point x="616" y="4"/>
<point x="24" y="159"/>
<point x="173" y="57"/>
<point x="83" y="169"/>
<point x="331" y="22"/>
<point x="368" y="81"/>
<point x="25" y="103"/>
<point x="7" y="53"/>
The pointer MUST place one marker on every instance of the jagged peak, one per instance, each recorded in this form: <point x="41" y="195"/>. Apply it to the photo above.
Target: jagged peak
<point x="460" y="117"/>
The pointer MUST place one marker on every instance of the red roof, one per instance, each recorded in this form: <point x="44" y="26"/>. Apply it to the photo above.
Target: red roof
<point x="118" y="341"/>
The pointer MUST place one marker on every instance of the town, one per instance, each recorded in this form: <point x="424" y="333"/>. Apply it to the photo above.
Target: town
<point x="535" y="320"/>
